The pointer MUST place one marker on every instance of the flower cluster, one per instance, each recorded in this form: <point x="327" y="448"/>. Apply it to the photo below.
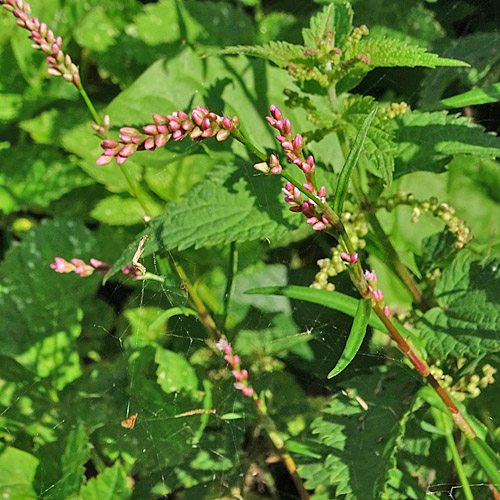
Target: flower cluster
<point x="470" y="385"/>
<point x="293" y="147"/>
<point x="357" y="227"/>
<point x="201" y="125"/>
<point x="375" y="293"/>
<point x="78" y="266"/>
<point x="241" y="376"/>
<point x="44" y="40"/>
<point x="442" y="211"/>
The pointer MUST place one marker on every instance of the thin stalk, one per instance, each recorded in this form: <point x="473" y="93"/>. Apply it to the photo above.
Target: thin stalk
<point x="89" y="104"/>
<point x="231" y="271"/>
<point x="135" y="190"/>
<point x="410" y="351"/>
<point x="262" y="414"/>
<point x="443" y="423"/>
<point x="402" y="271"/>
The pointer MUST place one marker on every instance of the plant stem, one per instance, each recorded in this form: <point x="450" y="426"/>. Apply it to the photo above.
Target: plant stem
<point x="89" y="104"/>
<point x="410" y="351"/>
<point x="231" y="271"/>
<point x="444" y="423"/>
<point x="262" y="414"/>
<point x="402" y="271"/>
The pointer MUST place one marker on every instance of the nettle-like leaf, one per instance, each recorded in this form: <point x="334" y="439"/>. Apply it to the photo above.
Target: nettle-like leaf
<point x="335" y="18"/>
<point x="41" y="309"/>
<point x="427" y="141"/>
<point x="379" y="144"/>
<point x="467" y="321"/>
<point x="328" y="58"/>
<point x="361" y="428"/>
<point x="388" y="52"/>
<point x="111" y="484"/>
<point x="232" y="205"/>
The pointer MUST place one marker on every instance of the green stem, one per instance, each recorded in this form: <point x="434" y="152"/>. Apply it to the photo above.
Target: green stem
<point x="264" y="418"/>
<point x="232" y="268"/>
<point x="135" y="190"/>
<point x="443" y="422"/>
<point x="89" y="104"/>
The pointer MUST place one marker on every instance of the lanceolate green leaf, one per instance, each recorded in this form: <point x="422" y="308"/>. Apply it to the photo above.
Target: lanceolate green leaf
<point x="355" y="338"/>
<point x="484" y="95"/>
<point x="350" y="163"/>
<point x="333" y="300"/>
<point x="487" y="458"/>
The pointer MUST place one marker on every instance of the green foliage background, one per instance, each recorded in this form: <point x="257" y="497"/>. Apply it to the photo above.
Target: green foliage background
<point x="77" y="357"/>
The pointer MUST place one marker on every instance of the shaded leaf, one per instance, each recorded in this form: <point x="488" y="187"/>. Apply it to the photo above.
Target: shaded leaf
<point x="427" y="141"/>
<point x="111" y="484"/>
<point x="365" y="421"/>
<point x="484" y="95"/>
<point x="467" y="321"/>
<point x="174" y="372"/>
<point x="17" y="471"/>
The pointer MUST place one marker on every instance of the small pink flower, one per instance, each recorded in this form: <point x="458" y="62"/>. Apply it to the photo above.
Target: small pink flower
<point x="319" y="226"/>
<point x="247" y="391"/>
<point x="387" y="311"/>
<point x="62" y="266"/>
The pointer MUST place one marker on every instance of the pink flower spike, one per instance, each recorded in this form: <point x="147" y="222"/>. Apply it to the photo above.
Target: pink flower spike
<point x="226" y="123"/>
<point x="276" y="170"/>
<point x="103" y="160"/>
<point x="247" y="391"/>
<point x="354" y="258"/>
<point x="287" y="126"/>
<point x="322" y="192"/>
<point x="221" y="344"/>
<point x="228" y="358"/>
<point x="236" y="359"/>
<point x="244" y="374"/>
<point x="378" y="295"/>
<point x="276" y="112"/>
<point x="62" y="266"/>
<point x="312" y="220"/>
<point x="325" y="220"/>
<point x="228" y="349"/>
<point x="239" y="386"/>
<point x="287" y="145"/>
<point x="298" y="142"/>
<point x="308" y="187"/>
<point x="387" y="311"/>
<point x="237" y="374"/>
<point x="319" y="226"/>
<point x="345" y="257"/>
<point x="120" y="160"/>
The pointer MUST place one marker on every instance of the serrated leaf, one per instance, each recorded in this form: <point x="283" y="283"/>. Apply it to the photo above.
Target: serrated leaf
<point x="174" y="372"/>
<point x="427" y="141"/>
<point x="336" y="18"/>
<point x="73" y="459"/>
<point x="379" y="143"/>
<point x="365" y="421"/>
<point x="467" y="321"/>
<point x="34" y="177"/>
<point x="41" y="311"/>
<point x="390" y="52"/>
<point x="111" y="484"/>
<point x="350" y="163"/>
<point x="280" y="53"/>
<point x="17" y="471"/>
<point x="226" y="207"/>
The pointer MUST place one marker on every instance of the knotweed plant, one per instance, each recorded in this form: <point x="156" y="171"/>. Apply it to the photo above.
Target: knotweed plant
<point x="189" y="361"/>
